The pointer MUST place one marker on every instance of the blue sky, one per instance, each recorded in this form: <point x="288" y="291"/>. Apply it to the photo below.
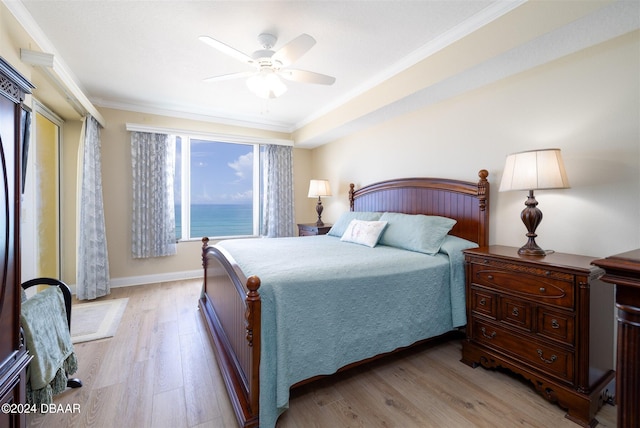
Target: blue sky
<point x="221" y="173"/>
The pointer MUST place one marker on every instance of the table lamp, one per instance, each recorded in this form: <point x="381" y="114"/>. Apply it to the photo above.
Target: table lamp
<point x="533" y="170"/>
<point x="318" y="188"/>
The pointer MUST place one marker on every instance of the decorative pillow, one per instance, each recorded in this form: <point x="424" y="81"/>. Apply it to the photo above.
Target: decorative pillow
<point x="341" y="225"/>
<point x="416" y="232"/>
<point x="364" y="232"/>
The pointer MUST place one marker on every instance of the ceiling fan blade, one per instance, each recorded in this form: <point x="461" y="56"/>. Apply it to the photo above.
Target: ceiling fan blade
<point x="226" y="49"/>
<point x="304" y="76"/>
<point x="294" y="49"/>
<point x="229" y="76"/>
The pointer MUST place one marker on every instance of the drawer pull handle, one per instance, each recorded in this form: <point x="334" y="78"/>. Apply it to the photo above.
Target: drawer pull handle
<point x="483" y="301"/>
<point x="550" y="361"/>
<point x="489" y="276"/>
<point x="488" y="336"/>
<point x="554" y="323"/>
<point x="515" y="312"/>
<point x="542" y="289"/>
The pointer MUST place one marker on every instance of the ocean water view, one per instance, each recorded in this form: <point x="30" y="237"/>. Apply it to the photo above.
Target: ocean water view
<point x="214" y="220"/>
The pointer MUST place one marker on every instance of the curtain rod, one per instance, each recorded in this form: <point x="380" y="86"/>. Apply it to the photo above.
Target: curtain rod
<point x="224" y="138"/>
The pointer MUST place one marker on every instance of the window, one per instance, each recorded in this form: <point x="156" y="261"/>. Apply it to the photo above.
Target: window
<point x="217" y="188"/>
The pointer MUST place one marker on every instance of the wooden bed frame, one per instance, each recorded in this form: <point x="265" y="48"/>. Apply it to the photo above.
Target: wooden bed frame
<point x="230" y="302"/>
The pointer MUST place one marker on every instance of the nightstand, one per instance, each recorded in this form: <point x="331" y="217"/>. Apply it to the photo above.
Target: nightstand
<point x="548" y="319"/>
<point x="310" y="229"/>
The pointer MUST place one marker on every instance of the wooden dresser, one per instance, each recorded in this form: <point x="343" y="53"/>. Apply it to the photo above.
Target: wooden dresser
<point x="545" y="318"/>
<point x="623" y="270"/>
<point x="13" y="355"/>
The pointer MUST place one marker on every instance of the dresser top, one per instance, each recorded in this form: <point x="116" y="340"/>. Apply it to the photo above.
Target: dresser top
<point x="628" y="262"/>
<point x="551" y="260"/>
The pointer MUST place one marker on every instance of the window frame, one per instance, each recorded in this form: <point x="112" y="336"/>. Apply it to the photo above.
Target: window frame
<point x="185" y="187"/>
<point x="223" y="138"/>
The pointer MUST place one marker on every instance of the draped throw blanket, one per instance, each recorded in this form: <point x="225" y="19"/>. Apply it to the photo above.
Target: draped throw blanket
<point x="278" y="219"/>
<point x="92" y="277"/>
<point x="46" y="332"/>
<point x="154" y="228"/>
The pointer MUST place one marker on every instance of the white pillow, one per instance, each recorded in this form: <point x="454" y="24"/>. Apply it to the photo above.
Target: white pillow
<point x="364" y="232"/>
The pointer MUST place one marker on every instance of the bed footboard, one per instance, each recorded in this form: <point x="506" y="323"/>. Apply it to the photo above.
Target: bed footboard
<point x="231" y="307"/>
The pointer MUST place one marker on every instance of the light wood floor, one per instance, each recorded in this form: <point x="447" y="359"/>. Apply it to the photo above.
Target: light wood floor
<point x="159" y="371"/>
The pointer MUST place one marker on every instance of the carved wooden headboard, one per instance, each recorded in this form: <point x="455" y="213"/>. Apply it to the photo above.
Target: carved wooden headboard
<point x="465" y="201"/>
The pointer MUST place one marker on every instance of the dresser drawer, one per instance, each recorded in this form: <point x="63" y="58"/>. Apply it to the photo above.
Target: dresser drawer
<point x="553" y="361"/>
<point x="483" y="303"/>
<point x="516" y="312"/>
<point x="545" y="288"/>
<point x="556" y="325"/>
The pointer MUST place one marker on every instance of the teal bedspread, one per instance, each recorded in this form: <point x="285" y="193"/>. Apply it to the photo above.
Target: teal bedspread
<point x="328" y="303"/>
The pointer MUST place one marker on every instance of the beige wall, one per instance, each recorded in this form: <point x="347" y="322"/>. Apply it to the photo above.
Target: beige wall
<point x="587" y="104"/>
<point x="11" y="37"/>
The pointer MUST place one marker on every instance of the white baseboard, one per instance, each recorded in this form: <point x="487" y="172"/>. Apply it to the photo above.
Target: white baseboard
<point x="149" y="279"/>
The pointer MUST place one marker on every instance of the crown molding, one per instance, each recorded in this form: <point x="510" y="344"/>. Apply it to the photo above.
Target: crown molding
<point x="201" y="117"/>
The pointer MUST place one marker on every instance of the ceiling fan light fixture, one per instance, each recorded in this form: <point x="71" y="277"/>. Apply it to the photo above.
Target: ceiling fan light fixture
<point x="266" y="84"/>
<point x="271" y="65"/>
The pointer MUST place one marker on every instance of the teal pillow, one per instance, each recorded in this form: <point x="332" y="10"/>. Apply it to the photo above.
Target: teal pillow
<point x="455" y="245"/>
<point x="340" y="226"/>
<point x="416" y="232"/>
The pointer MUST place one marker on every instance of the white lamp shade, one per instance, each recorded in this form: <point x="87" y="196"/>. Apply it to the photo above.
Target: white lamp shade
<point x="534" y="170"/>
<point x="266" y="84"/>
<point x="319" y="188"/>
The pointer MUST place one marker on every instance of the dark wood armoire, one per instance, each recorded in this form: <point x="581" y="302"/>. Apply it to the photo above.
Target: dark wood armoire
<point x="13" y="354"/>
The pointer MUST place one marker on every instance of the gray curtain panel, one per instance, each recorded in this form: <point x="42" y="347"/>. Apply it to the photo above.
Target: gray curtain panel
<point x="154" y="227"/>
<point x="92" y="277"/>
<point x="278" y="212"/>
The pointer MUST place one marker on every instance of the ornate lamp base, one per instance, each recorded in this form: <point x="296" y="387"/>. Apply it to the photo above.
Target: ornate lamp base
<point x="531" y="217"/>
<point x="319" y="209"/>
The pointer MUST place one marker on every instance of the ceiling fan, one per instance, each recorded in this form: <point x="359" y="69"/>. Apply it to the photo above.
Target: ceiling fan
<point x="271" y="65"/>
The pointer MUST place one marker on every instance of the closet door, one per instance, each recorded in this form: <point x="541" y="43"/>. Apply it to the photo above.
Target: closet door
<point x="40" y="221"/>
